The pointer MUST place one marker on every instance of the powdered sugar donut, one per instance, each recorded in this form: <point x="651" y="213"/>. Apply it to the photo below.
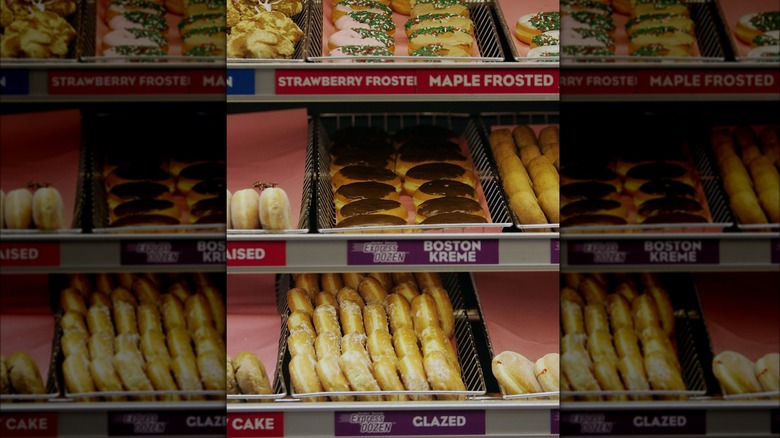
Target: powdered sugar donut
<point x="366" y="20"/>
<point x="344" y="7"/>
<point x="364" y="37"/>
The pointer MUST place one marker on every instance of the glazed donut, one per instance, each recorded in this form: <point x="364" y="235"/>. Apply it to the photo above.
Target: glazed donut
<point x="298" y="299"/>
<point x="531" y="25"/>
<point x="309" y="283"/>
<point x="593" y="291"/>
<point x="159" y="373"/>
<point x="372" y="291"/>
<point x="645" y="312"/>
<point x="124" y="318"/>
<point x="73" y="322"/>
<point x="600" y="346"/>
<point x="606" y="372"/>
<point x="443" y="376"/>
<point x="420" y="174"/>
<point x="172" y="312"/>
<point x="654" y="340"/>
<point x="355" y="342"/>
<point x="300" y="342"/>
<point x="351" y="318"/>
<point x="569" y="294"/>
<point x="74" y="343"/>
<point x="571" y="317"/>
<point x="663" y="375"/>
<point x="374" y="318"/>
<point x="627" y="290"/>
<point x="347" y="293"/>
<point x="304" y="378"/>
<point x="75" y="370"/>
<point x="428" y="279"/>
<point x="217" y="306"/>
<point x="380" y="344"/>
<point x="443" y="309"/>
<point x="208" y="340"/>
<point x="250" y="373"/>
<point x="185" y="371"/>
<point x="547" y="372"/>
<point x="332" y="379"/>
<point x="399" y="313"/>
<point x="98" y="297"/>
<point x="665" y="309"/>
<point x="413" y="375"/>
<point x="326" y="320"/>
<point x="433" y="339"/>
<point x="331" y="283"/>
<point x="386" y="374"/>
<point x="153" y="346"/>
<point x="515" y="373"/>
<point x="358" y="372"/>
<point x="230" y="376"/>
<point x="632" y="372"/>
<point x="146" y="291"/>
<point x="23" y="374"/>
<point x="71" y="300"/>
<point x="578" y="373"/>
<point x="325" y="299"/>
<point x="245" y="209"/>
<point x="405" y="343"/>
<point x="197" y="313"/>
<point x="275" y="212"/>
<point x="212" y="371"/>
<point x="105" y="377"/>
<point x="80" y="282"/>
<point x="124" y="280"/>
<point x="768" y="371"/>
<point x="407" y="290"/>
<point x="179" y="290"/>
<point x="130" y="344"/>
<point x="105" y="283"/>
<point x="626" y="342"/>
<point x="300" y="321"/>
<point x="403" y="277"/>
<point x="148" y="318"/>
<point x="595" y="318"/>
<point x="576" y="343"/>
<point x="101" y="344"/>
<point x="351" y="279"/>
<point x="401" y="6"/>
<point x="384" y="278"/>
<point x="424" y="313"/>
<point x="132" y="374"/>
<point x="179" y="343"/>
<point x="327" y="344"/>
<point x="619" y="312"/>
<point x="99" y="320"/>
<point x="122" y="294"/>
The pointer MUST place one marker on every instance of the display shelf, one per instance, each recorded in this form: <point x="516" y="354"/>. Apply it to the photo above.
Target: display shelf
<point x="474" y="418"/>
<point x="670" y="418"/>
<point x="65" y="419"/>
<point x="670" y="252"/>
<point x="389" y="252"/>
<point x="679" y="82"/>
<point x="56" y="253"/>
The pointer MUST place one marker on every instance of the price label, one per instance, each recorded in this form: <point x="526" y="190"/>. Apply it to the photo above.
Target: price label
<point x="255" y="424"/>
<point x="173" y="252"/>
<point x="256" y="253"/>
<point x="19" y="424"/>
<point x="240" y="81"/>
<point x="644" y="252"/>
<point x="154" y="82"/>
<point x="555" y="422"/>
<point x="167" y="423"/>
<point x="624" y="423"/>
<point x="29" y="254"/>
<point x="774" y="248"/>
<point x="14" y="82"/>
<point x="407" y="423"/>
<point x="555" y="251"/>
<point x="487" y="81"/>
<point x="340" y="82"/>
<point x="423" y="252"/>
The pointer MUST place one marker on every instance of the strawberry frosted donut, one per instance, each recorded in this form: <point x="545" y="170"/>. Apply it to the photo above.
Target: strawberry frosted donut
<point x="135" y="37"/>
<point x="366" y="20"/>
<point x="531" y="25"/>
<point x="361" y="37"/>
<point x="344" y="7"/>
<point x="360" y="51"/>
<point x="139" y="20"/>
<point x="753" y="25"/>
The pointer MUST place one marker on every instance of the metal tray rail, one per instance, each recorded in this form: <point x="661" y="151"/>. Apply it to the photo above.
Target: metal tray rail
<point x="485" y="35"/>
<point x="326" y="213"/>
<point x="468" y="356"/>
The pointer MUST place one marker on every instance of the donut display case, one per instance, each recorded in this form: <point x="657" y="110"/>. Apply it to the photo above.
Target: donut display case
<point x="543" y="49"/>
<point x="752" y="29"/>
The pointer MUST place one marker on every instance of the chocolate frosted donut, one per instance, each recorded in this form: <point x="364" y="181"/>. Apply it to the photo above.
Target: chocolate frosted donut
<point x="437" y="206"/>
<point x="210" y="187"/>
<point x="675" y="218"/>
<point x="423" y="173"/>
<point x="665" y="187"/>
<point x="144" y="219"/>
<point x="351" y="174"/>
<point x="371" y="220"/>
<point x="364" y="190"/>
<point x="593" y="219"/>
<point x="138" y="189"/>
<point x="587" y="190"/>
<point x="656" y="171"/>
<point x="454" y="218"/>
<point x="358" y="158"/>
<point x="673" y="204"/>
<point x="208" y="207"/>
<point x="143" y="206"/>
<point x="591" y="206"/>
<point x="372" y="206"/>
<point x="440" y="188"/>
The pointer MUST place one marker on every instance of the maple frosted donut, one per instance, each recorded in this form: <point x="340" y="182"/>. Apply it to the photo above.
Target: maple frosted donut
<point x="344" y="7"/>
<point x="448" y="35"/>
<point x="531" y="25"/>
<point x="366" y="20"/>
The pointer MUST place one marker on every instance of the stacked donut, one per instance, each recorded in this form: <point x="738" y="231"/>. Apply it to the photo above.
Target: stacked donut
<point x="136" y="28"/>
<point x="739" y="375"/>
<point x="749" y="168"/>
<point x="516" y="374"/>
<point x="141" y="333"/>
<point x="36" y="207"/>
<point x="203" y="29"/>
<point x="246" y="374"/>
<point x="439" y="28"/>
<point x="660" y="28"/>
<point x="528" y="168"/>
<point x="588" y="28"/>
<point x="363" y="28"/>
<point x="622" y="340"/>
<point x="372" y="332"/>
<point x="19" y="374"/>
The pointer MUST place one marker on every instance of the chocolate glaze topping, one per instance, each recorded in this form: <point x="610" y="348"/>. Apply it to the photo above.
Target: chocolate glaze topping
<point x="208" y="207"/>
<point x="145" y="219"/>
<point x="140" y="189"/>
<point x="433" y="171"/>
<point x="446" y="187"/>
<point x="675" y="218"/>
<point x="656" y="171"/>
<point x="363" y="190"/>
<point x="455" y="218"/>
<point x="141" y="171"/>
<point x="668" y="187"/>
<point x="371" y="219"/>
<point x="587" y="190"/>
<point x="366" y="173"/>
<point x="672" y="204"/>
<point x="358" y="158"/>
<point x="448" y="204"/>
<point x="368" y="206"/>
<point x="141" y="206"/>
<point x="587" y="206"/>
<point x="593" y="219"/>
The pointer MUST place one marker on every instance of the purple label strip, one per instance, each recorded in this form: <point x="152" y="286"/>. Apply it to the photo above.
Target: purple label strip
<point x="407" y="423"/>
<point x="774" y="248"/>
<point x="173" y="252"/>
<point x="168" y="423"/>
<point x="644" y="252"/>
<point x="422" y="252"/>
<point x="623" y="423"/>
<point x="555" y="251"/>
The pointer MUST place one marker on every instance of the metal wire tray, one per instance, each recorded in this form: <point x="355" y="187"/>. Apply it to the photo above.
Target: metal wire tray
<point x="690" y="349"/>
<point x="306" y="196"/>
<point x="707" y="24"/>
<point x="468" y="356"/>
<point x="326" y="212"/>
<point x="485" y="35"/>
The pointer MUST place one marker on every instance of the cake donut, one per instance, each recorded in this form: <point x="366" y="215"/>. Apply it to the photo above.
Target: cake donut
<point x="366" y="20"/>
<point x="530" y="25"/>
<point x="344" y="7"/>
<point x="361" y="37"/>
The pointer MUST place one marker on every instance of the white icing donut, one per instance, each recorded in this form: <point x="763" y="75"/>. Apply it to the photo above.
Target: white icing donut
<point x="544" y="52"/>
<point x="525" y="20"/>
<point x="121" y="22"/>
<point x="765" y="52"/>
<point x="745" y="20"/>
<point x="575" y="37"/>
